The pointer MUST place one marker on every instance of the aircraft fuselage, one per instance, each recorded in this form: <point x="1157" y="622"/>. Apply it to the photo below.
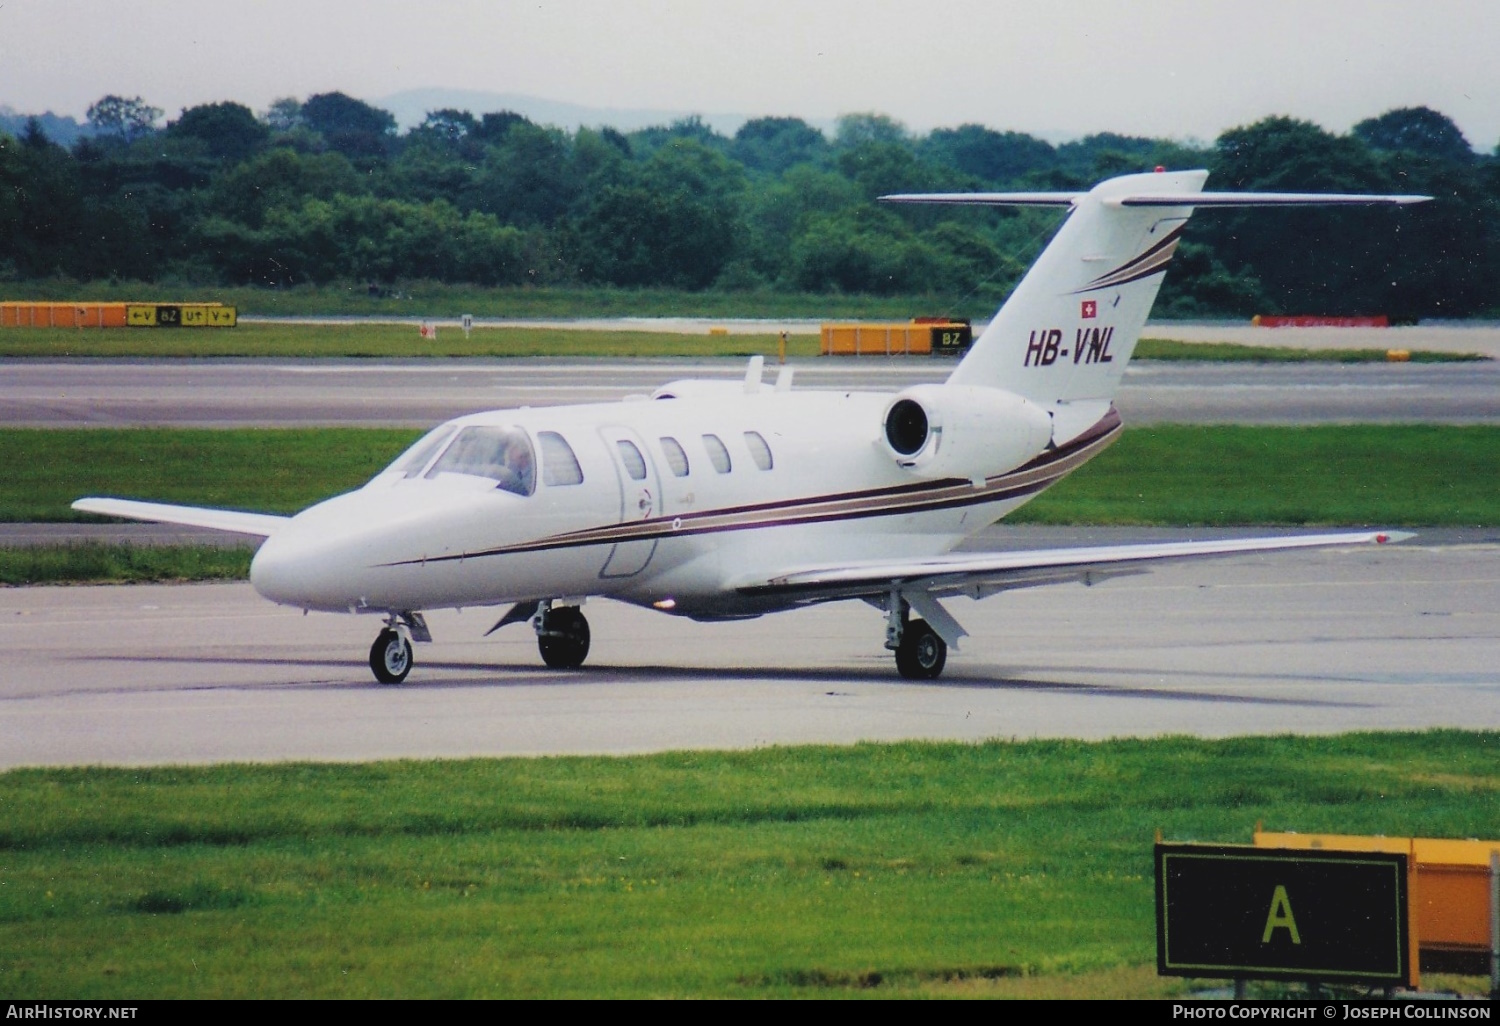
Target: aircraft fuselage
<point x="725" y="484"/>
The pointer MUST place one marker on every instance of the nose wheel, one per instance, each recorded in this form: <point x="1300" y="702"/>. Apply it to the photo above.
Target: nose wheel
<point x="562" y="636"/>
<point x="390" y="656"/>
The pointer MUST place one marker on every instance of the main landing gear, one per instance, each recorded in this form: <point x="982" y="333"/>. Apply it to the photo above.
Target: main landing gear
<point x="562" y="633"/>
<point x="562" y="636"/>
<point x="920" y="652"/>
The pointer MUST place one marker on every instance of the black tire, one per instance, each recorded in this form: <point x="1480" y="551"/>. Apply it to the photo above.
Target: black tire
<point x="390" y="657"/>
<point x="922" y="653"/>
<point x="564" y="641"/>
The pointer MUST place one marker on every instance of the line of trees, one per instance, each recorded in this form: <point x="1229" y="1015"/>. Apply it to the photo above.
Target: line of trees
<point x="326" y="189"/>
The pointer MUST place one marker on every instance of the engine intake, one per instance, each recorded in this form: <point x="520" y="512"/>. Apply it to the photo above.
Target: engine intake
<point x="962" y="431"/>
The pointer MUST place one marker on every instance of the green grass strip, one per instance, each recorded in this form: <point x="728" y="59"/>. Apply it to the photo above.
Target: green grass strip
<point x="275" y="470"/>
<point x="910" y="869"/>
<point x="1388" y="475"/>
<point x="1384" y="475"/>
<point x="385" y="341"/>
<point x="122" y="564"/>
<point x="1233" y="352"/>
<point x="401" y="341"/>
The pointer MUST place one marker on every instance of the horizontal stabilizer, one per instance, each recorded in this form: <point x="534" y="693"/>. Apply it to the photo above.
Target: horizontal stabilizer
<point x="1159" y="199"/>
<point x="988" y="572"/>
<point x="261" y="524"/>
<point x="1269" y="199"/>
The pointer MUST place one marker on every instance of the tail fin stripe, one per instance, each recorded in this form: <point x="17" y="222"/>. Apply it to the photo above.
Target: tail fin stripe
<point x="1150" y="262"/>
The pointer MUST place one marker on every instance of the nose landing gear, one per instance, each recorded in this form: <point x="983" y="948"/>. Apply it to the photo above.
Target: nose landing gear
<point x="390" y="657"/>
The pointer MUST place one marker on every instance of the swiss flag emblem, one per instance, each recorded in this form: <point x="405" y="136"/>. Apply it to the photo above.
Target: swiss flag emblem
<point x="1090" y="309"/>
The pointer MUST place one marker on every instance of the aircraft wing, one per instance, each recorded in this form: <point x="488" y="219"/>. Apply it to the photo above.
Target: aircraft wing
<point x="983" y="573"/>
<point x="262" y="524"/>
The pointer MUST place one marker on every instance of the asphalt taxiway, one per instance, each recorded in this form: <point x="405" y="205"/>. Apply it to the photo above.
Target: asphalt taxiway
<point x="1393" y="637"/>
<point x="420" y="393"/>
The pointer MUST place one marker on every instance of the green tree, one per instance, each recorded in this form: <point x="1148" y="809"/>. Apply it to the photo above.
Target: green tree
<point x="229" y="130"/>
<point x="123" y="119"/>
<point x="1416" y="130"/>
<point x="634" y="236"/>
<point x="279" y="178"/>
<point x="776" y="144"/>
<point x="361" y="132"/>
<point x="988" y="155"/>
<point x="859" y="129"/>
<point x="528" y="179"/>
<point x="1311" y="260"/>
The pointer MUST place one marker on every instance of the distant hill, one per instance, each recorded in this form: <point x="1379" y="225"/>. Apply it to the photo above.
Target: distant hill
<point x="60" y="129"/>
<point x="412" y="105"/>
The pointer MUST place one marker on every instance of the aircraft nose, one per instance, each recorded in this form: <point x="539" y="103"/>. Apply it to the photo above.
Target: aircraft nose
<point x="276" y="573"/>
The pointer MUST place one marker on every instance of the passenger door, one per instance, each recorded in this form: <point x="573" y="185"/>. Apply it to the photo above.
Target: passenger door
<point x="640" y="499"/>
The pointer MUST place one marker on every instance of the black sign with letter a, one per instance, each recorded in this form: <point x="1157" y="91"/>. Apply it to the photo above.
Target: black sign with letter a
<point x="1265" y="913"/>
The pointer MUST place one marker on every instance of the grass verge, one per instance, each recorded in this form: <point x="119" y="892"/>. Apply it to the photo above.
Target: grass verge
<point x="122" y="564"/>
<point x="401" y="341"/>
<point x="915" y="869"/>
<point x="1390" y="475"/>
<point x="386" y="341"/>
<point x="1233" y="352"/>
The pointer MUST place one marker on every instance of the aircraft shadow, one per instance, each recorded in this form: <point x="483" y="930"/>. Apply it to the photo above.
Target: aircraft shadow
<point x="520" y="676"/>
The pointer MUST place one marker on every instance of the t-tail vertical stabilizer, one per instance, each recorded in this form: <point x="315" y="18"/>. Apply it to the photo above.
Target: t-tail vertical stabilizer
<point x="1066" y="333"/>
<point x="1070" y="327"/>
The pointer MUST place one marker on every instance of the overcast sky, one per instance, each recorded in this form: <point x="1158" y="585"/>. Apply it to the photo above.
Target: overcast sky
<point x="1184" y="69"/>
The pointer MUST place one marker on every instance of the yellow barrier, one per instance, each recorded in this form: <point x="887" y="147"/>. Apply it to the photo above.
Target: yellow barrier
<point x="62" y="315"/>
<point x="913" y="338"/>
<point x="1450" y="892"/>
<point x="14" y="314"/>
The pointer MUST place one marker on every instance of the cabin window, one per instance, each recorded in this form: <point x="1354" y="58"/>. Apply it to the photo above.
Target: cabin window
<point x="760" y="452"/>
<point x="502" y="454"/>
<point x="559" y="464"/>
<point x="717" y="454"/>
<point x="676" y="456"/>
<point x="635" y="463"/>
<point x="413" y="461"/>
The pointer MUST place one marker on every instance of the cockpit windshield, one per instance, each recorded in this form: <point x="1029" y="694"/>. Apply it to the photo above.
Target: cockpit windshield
<point x="414" y="460"/>
<point x="502" y="454"/>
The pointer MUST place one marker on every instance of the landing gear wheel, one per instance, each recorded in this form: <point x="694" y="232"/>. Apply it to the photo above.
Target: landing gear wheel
<point x="564" y="638"/>
<point x="921" y="654"/>
<point x="390" y="657"/>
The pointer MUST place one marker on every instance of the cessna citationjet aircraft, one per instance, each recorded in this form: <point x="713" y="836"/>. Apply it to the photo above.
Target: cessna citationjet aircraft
<point x="725" y="499"/>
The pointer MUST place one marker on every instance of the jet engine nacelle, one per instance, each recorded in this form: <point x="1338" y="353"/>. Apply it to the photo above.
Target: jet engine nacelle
<point x="959" y="431"/>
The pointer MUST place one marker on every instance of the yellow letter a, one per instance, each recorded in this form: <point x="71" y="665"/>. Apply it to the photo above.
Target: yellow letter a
<point x="1280" y="916"/>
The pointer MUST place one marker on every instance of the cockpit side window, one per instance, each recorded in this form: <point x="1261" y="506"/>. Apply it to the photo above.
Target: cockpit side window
<point x="559" y="463"/>
<point x="413" y="461"/>
<point x="502" y="454"/>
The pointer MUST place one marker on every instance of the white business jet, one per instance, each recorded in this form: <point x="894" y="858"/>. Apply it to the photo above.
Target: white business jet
<point x="726" y="499"/>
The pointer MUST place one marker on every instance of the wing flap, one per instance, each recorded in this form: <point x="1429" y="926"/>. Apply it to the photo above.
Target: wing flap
<point x="261" y="524"/>
<point x="988" y="572"/>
